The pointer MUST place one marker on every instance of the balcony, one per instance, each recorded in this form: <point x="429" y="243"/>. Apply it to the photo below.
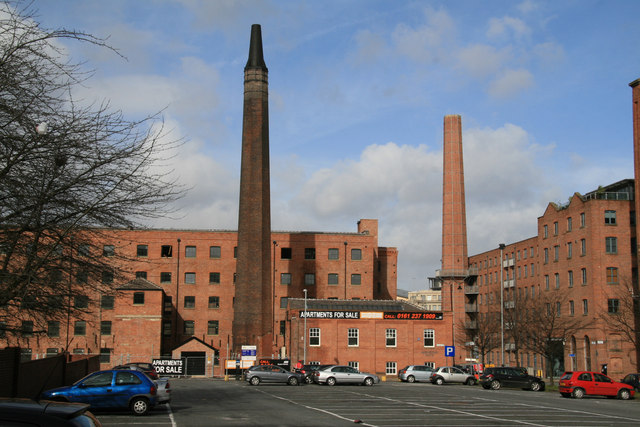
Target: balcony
<point x="509" y="262"/>
<point x="509" y="283"/>
<point x="509" y="304"/>
<point x="471" y="290"/>
<point x="471" y="308"/>
<point x="471" y="324"/>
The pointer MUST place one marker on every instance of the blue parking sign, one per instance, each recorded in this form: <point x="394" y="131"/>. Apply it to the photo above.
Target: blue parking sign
<point x="449" y="351"/>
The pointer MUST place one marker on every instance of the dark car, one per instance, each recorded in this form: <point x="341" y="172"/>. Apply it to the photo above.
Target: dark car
<point x="496" y="378"/>
<point x="110" y="389"/>
<point x="581" y="383"/>
<point x="27" y="412"/>
<point x="633" y="380"/>
<point x="308" y="370"/>
<point x="272" y="374"/>
<point x="147" y="368"/>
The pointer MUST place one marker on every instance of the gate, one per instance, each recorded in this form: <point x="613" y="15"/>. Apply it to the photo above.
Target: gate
<point x="195" y="362"/>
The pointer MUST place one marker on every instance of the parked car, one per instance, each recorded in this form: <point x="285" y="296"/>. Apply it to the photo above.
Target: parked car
<point x="633" y="380"/>
<point x="148" y="368"/>
<point x="27" y="412"/>
<point x="338" y="374"/>
<point x="580" y="383"/>
<point x="496" y="378"/>
<point x="272" y="374"/>
<point x="308" y="370"/>
<point x="449" y="374"/>
<point x="162" y="384"/>
<point x="110" y="389"/>
<point x="414" y="373"/>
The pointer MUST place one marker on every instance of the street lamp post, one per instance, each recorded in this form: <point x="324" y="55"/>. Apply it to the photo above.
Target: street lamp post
<point x="501" y="246"/>
<point x="304" y="339"/>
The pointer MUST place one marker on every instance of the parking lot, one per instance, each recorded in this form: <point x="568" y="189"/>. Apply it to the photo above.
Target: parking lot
<point x="200" y="402"/>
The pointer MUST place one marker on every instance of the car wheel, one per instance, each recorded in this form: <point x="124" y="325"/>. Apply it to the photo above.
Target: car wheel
<point x="439" y="380"/>
<point x="368" y="381"/>
<point x="139" y="406"/>
<point x="254" y="381"/>
<point x="331" y="381"/>
<point x="535" y="386"/>
<point x="308" y="380"/>
<point x="495" y="385"/>
<point x="470" y="381"/>
<point x="292" y="381"/>
<point x="624" y="394"/>
<point x="411" y="379"/>
<point x="577" y="393"/>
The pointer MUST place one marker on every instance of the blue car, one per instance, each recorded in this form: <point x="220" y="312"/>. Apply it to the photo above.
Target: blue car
<point x="110" y="389"/>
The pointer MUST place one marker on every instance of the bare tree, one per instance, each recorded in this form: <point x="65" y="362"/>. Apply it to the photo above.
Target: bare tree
<point x="623" y="314"/>
<point x="67" y="171"/>
<point x="546" y="325"/>
<point x="485" y="335"/>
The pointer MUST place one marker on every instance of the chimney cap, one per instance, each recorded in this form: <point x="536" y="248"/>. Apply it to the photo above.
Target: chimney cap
<point x="256" y="59"/>
<point x="635" y="83"/>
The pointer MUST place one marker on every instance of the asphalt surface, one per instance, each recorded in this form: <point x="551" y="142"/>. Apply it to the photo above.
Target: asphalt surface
<point x="206" y="402"/>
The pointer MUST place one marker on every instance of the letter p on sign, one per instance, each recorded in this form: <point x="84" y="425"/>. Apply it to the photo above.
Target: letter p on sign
<point x="449" y="351"/>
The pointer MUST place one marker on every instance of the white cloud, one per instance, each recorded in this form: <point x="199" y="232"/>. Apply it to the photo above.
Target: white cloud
<point x="370" y="47"/>
<point x="429" y="42"/>
<point x="549" y="53"/>
<point x="481" y="60"/>
<point x="510" y="83"/>
<point x="504" y="27"/>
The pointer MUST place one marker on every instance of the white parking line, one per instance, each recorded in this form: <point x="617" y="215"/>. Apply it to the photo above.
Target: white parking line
<point x="173" y="421"/>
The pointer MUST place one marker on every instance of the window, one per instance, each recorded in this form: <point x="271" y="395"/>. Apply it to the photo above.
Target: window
<point x="391" y="368"/>
<point x="284" y="302"/>
<point x="108" y="250"/>
<point x="84" y="250"/>
<point x="285" y="278"/>
<point x="570" y="278"/>
<point x="332" y="279"/>
<point x="613" y="305"/>
<point x="215" y="252"/>
<point x="235" y="252"/>
<point x="166" y="251"/>
<point x="189" y="327"/>
<point x="555" y="228"/>
<point x="571" y="308"/>
<point x="138" y="298"/>
<point x="25" y="354"/>
<point x="81" y="301"/>
<point x="190" y="278"/>
<point x="546" y="281"/>
<point x="189" y="251"/>
<point x="106" y="302"/>
<point x="610" y="217"/>
<point x="285" y="253"/>
<point x="583" y="221"/>
<point x="53" y="329"/>
<point x="51" y="351"/>
<point x="314" y="337"/>
<point x="546" y="255"/>
<point x="189" y="301"/>
<point x="584" y="276"/>
<point x="309" y="279"/>
<point x="612" y="275"/>
<point x="354" y="365"/>
<point x="105" y="327"/>
<point x="283" y="327"/>
<point x="429" y="338"/>
<point x="214" y="278"/>
<point x="390" y="337"/>
<point x="583" y="246"/>
<point x="235" y="278"/>
<point x="569" y="250"/>
<point x="309" y="253"/>
<point x="585" y="306"/>
<point x="212" y="327"/>
<point x="557" y="277"/>
<point x="141" y="275"/>
<point x="82" y="276"/>
<point x="558" y="308"/>
<point x="532" y="270"/>
<point x="556" y="253"/>
<point x="165" y="277"/>
<point x="105" y="355"/>
<point x="334" y="253"/>
<point x="353" y="337"/>
<point x="167" y="301"/>
<point x="214" y="302"/>
<point x="142" y="251"/>
<point x="569" y="224"/>
<point x="166" y="328"/>
<point x="107" y="277"/>
<point x="80" y="328"/>
<point x="611" y="245"/>
<point x="356" y="279"/>
<point x="356" y="254"/>
<point x="546" y="231"/>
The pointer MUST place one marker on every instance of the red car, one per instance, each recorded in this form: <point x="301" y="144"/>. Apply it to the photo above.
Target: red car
<point x="580" y="383"/>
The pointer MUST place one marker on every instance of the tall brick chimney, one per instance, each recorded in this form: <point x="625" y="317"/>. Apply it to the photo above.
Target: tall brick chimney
<point x="455" y="263"/>
<point x="635" y="87"/>
<point x="253" y="307"/>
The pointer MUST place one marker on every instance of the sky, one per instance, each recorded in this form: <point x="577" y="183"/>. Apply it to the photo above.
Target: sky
<point x="358" y="90"/>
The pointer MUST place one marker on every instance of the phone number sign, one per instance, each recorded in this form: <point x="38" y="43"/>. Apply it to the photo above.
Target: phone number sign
<point x="406" y="315"/>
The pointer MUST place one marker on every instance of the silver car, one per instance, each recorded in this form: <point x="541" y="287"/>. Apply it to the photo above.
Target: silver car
<point x="449" y="374"/>
<point x="164" y="390"/>
<point x="272" y="374"/>
<point x="338" y="374"/>
<point x="414" y="373"/>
